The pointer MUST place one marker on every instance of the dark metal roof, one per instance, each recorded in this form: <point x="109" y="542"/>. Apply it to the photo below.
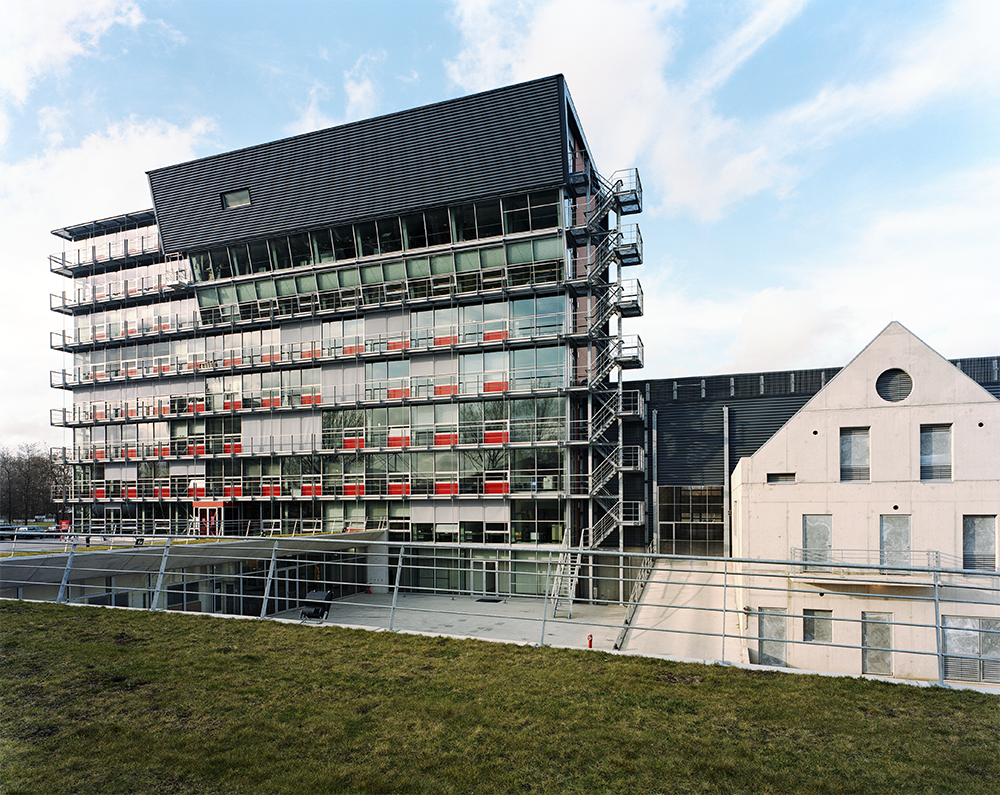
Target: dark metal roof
<point x="117" y="223"/>
<point x="507" y="140"/>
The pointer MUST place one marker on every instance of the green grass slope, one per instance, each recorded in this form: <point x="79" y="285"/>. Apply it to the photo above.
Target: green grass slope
<point x="108" y="701"/>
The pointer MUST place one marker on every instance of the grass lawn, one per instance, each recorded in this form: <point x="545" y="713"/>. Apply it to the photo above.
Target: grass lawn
<point x="97" y="700"/>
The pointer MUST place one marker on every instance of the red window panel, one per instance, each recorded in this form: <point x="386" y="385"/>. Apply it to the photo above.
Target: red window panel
<point x="354" y="489"/>
<point x="496" y="437"/>
<point x="445" y="389"/>
<point x="354" y="443"/>
<point x="450" y="339"/>
<point x="399" y="441"/>
<point x="496" y="386"/>
<point x="398" y="394"/>
<point x="446" y="488"/>
<point x="398" y="345"/>
<point x="493" y="336"/>
<point x="497" y="487"/>
<point x="445" y="438"/>
<point x="399" y="489"/>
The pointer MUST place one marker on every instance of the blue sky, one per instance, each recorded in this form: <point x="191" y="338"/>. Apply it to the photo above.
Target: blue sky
<point x="812" y="170"/>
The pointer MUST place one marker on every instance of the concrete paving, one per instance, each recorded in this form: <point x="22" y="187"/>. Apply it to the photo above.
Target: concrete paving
<point x="680" y="614"/>
<point x="505" y="620"/>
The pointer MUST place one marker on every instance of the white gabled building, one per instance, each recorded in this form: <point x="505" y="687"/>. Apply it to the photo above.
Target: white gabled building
<point x="894" y="463"/>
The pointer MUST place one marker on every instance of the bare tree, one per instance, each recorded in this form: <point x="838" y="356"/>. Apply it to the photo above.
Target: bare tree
<point x="27" y="476"/>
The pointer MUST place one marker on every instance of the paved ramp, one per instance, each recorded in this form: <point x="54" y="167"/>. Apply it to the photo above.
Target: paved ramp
<point x="680" y="613"/>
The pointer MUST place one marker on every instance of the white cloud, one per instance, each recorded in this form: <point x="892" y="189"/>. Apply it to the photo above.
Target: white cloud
<point x="361" y="92"/>
<point x="51" y="121"/>
<point x="929" y="262"/>
<point x="953" y="55"/>
<point x="42" y="37"/>
<point x="103" y="175"/>
<point x="698" y="160"/>
<point x="360" y="86"/>
<point x="312" y="117"/>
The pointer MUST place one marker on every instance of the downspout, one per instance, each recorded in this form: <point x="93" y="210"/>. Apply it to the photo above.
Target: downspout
<point x="727" y="509"/>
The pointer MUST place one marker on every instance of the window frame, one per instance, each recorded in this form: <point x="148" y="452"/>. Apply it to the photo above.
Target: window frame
<point x="234" y="199"/>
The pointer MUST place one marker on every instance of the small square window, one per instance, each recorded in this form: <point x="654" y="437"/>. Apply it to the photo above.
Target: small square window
<point x="817" y="626"/>
<point x="235" y="198"/>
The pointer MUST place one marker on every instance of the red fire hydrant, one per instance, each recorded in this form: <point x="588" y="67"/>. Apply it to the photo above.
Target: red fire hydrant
<point x="590" y="641"/>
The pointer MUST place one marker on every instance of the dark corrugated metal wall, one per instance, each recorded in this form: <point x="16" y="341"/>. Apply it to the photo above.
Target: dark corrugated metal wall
<point x="497" y="142"/>
<point x="689" y="419"/>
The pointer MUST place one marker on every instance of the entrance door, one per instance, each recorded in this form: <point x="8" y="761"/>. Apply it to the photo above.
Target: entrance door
<point x="208" y="520"/>
<point x="484" y="578"/>
<point x="112" y="520"/>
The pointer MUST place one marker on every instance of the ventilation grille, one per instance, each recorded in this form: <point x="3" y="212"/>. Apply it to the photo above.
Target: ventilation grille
<point x="894" y="385"/>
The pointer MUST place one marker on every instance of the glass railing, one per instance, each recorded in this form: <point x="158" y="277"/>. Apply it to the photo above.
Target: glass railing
<point x="97" y="251"/>
<point x="119" y="290"/>
<point x="408" y="484"/>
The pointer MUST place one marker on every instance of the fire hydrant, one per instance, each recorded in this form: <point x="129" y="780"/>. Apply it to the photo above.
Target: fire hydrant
<point x="590" y="641"/>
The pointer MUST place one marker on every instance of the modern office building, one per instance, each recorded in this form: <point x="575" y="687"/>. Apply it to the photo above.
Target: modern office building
<point x="411" y="324"/>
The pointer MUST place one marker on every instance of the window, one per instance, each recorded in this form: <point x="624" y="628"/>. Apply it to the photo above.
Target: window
<point x="235" y="198"/>
<point x="979" y="543"/>
<point x="876" y="643"/>
<point x="817" y="533"/>
<point x="894" y="385"/>
<point x="935" y="452"/>
<point x="971" y="649"/>
<point x="780" y="477"/>
<point x="817" y="626"/>
<point x="772" y="630"/>
<point x="855" y="458"/>
<point x="894" y="540"/>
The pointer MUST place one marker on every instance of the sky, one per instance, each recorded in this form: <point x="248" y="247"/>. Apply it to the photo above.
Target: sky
<point x="811" y="171"/>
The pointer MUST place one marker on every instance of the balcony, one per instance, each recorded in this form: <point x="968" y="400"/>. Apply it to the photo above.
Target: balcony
<point x="901" y="567"/>
<point x="630" y="299"/>
<point x="484" y="434"/>
<point x="627" y="190"/>
<point x="94" y="253"/>
<point x="629" y="354"/>
<point x="331" y="486"/>
<point x="104" y="296"/>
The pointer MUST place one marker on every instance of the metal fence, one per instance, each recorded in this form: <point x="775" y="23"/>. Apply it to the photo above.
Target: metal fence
<point x="926" y="623"/>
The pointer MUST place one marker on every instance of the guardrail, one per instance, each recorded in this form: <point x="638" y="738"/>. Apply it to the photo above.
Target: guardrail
<point x="869" y="621"/>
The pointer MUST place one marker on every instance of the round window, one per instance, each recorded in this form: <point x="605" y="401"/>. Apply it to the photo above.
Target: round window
<point x="894" y="385"/>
